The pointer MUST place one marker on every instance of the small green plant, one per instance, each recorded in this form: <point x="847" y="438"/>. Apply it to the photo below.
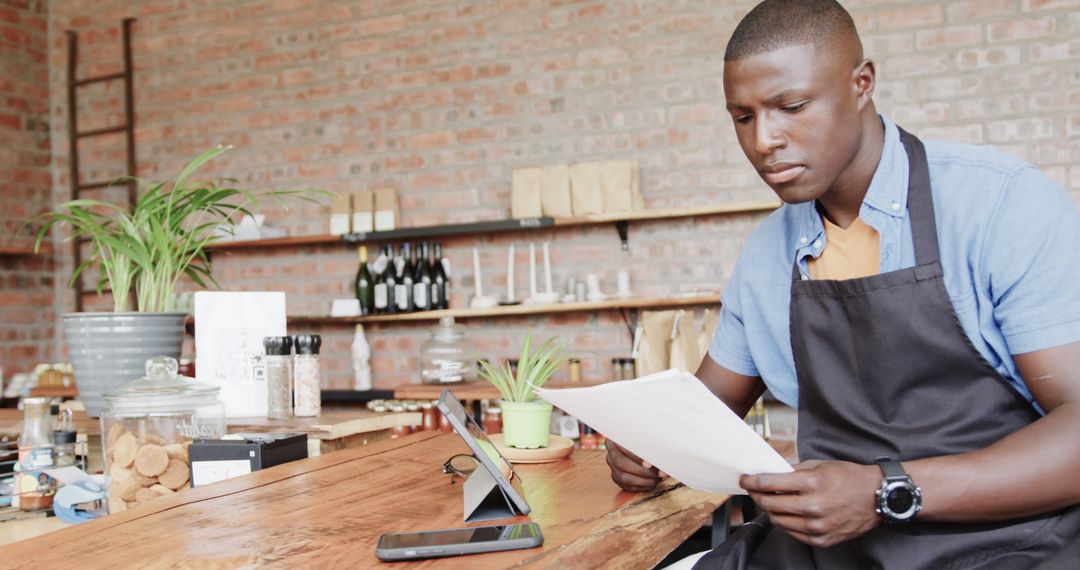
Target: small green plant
<point x="533" y="369"/>
<point x="162" y="239"/>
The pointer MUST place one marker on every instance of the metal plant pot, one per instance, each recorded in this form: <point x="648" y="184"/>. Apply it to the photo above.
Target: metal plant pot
<point x="109" y="350"/>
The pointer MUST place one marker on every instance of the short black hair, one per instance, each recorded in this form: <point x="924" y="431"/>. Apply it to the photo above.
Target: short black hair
<point x="775" y="24"/>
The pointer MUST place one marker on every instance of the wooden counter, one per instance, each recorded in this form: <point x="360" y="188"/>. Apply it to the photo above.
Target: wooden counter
<point x="333" y="430"/>
<point x="329" y="511"/>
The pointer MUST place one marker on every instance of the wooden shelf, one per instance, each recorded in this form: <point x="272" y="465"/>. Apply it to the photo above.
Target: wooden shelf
<point x="13" y="251"/>
<point x="518" y="310"/>
<point x="526" y="224"/>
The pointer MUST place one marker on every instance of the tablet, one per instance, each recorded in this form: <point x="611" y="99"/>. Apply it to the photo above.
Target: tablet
<point x="483" y="450"/>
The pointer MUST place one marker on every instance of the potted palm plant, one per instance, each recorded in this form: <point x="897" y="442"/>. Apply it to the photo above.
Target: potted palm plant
<point x="526" y="419"/>
<point x="141" y="255"/>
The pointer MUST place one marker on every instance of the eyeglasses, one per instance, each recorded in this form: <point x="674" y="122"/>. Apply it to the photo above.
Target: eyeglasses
<point x="460" y="465"/>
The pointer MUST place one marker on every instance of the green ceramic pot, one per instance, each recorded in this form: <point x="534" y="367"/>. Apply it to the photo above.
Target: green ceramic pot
<point x="526" y="424"/>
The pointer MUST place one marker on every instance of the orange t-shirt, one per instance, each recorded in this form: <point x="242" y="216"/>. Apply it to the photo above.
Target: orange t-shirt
<point x="849" y="253"/>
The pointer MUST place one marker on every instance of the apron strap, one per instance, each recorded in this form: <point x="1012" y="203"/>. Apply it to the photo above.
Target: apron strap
<point x="920" y="201"/>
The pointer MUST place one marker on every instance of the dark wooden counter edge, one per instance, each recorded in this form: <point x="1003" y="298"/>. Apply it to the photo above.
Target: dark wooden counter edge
<point x="229" y="487"/>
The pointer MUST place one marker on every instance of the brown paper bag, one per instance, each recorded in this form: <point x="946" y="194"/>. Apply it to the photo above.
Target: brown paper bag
<point x="685" y="355"/>
<point x="386" y="209"/>
<point x="525" y="194"/>
<point x="654" y="348"/>
<point x="709" y="322"/>
<point x="586" y="192"/>
<point x="617" y="181"/>
<point x="363" y="211"/>
<point x="339" y="214"/>
<point x="636" y="199"/>
<point x="555" y="191"/>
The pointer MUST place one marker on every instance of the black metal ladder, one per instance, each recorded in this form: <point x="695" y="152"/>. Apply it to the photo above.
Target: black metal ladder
<point x="74" y="134"/>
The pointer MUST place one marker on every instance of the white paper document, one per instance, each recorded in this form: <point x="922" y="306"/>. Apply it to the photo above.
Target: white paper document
<point x="674" y="422"/>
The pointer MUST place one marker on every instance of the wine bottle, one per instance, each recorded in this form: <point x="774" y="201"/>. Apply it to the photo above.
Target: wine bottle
<point x="381" y="295"/>
<point x="422" y="281"/>
<point x="391" y="280"/>
<point x="441" y="288"/>
<point x="365" y="287"/>
<point x="403" y="293"/>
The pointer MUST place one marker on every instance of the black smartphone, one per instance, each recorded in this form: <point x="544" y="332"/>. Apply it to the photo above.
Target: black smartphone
<point x="456" y="541"/>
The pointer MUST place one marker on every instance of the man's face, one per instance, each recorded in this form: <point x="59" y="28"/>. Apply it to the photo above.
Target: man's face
<point x="796" y="114"/>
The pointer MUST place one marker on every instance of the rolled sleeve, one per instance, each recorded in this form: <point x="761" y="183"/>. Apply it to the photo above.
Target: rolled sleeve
<point x="729" y="346"/>
<point x="1031" y="258"/>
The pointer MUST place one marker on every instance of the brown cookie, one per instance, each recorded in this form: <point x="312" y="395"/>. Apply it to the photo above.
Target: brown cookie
<point x="151" y="460"/>
<point x="126" y="489"/>
<point x="116" y="504"/>
<point x="143" y="495"/>
<point x="114" y="434"/>
<point x="146" y="481"/>
<point x="162" y="490"/>
<point x="175" y="475"/>
<point x="177" y="451"/>
<point x="124" y="450"/>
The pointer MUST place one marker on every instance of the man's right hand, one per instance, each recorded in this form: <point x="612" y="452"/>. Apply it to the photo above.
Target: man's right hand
<point x="629" y="471"/>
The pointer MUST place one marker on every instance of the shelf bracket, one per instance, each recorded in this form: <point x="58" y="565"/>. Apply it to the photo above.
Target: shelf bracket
<point x="623" y="227"/>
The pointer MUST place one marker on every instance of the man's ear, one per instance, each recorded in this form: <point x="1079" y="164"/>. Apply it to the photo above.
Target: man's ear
<point x="864" y="79"/>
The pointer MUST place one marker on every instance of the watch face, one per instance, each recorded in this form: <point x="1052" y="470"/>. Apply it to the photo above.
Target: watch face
<point x="900" y="500"/>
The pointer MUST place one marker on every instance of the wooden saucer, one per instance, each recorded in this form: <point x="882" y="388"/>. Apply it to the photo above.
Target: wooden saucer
<point x="558" y="447"/>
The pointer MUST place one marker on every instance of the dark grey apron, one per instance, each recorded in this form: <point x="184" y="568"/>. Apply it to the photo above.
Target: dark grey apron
<point x="885" y="369"/>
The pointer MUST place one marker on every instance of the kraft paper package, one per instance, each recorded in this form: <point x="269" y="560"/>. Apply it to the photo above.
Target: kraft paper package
<point x="525" y="199"/>
<point x="555" y="191"/>
<point x="685" y="355"/>
<point x="339" y="214"/>
<point x="363" y="211"/>
<point x="709" y="322"/>
<point x="229" y="349"/>
<point x="386" y="209"/>
<point x="586" y="192"/>
<point x="621" y="180"/>
<point x="654" y="348"/>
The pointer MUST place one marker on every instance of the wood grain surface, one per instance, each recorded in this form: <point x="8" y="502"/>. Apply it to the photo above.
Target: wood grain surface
<point x="328" y="512"/>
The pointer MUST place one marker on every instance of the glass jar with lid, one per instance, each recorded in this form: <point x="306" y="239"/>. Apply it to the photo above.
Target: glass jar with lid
<point x="447" y="356"/>
<point x="146" y="428"/>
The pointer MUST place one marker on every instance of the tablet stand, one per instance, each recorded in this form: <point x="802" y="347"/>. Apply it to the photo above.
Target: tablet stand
<point x="484" y="499"/>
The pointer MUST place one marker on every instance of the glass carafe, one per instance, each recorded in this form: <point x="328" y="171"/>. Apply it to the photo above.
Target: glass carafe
<point x="447" y="356"/>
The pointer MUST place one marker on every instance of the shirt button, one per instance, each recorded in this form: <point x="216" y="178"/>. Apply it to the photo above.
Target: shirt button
<point x="805" y="277"/>
<point x="895" y="205"/>
<point x="803" y="239"/>
<point x="817" y="244"/>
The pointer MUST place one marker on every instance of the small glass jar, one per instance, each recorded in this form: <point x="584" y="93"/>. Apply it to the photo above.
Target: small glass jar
<point x="279" y="385"/>
<point x="34" y="489"/>
<point x="307" y="378"/>
<point x="447" y="357"/>
<point x="146" y="427"/>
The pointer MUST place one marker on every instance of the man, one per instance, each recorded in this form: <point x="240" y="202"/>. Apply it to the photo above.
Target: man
<point x="916" y="304"/>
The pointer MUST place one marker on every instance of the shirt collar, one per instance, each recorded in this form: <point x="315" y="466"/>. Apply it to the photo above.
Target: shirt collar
<point x="887" y="193"/>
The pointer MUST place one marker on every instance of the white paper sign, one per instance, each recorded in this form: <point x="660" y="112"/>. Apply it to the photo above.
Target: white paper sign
<point x="674" y="422"/>
<point x="229" y="331"/>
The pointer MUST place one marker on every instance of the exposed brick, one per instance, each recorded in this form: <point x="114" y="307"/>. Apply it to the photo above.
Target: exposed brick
<point x="916" y="16"/>
<point x="949" y="37"/>
<point x="967" y="10"/>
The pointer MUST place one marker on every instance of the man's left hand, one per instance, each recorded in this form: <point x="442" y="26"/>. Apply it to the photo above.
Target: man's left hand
<point x="821" y="503"/>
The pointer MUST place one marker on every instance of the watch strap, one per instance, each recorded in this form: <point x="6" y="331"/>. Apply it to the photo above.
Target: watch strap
<point x="891" y="468"/>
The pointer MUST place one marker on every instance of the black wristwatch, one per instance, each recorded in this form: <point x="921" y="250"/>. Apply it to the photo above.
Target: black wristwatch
<point x="898" y="499"/>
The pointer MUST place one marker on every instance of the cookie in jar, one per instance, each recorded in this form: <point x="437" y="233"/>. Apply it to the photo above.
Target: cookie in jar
<point x="147" y="426"/>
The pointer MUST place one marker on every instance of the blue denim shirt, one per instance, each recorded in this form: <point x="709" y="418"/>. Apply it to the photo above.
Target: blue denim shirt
<point x="1008" y="237"/>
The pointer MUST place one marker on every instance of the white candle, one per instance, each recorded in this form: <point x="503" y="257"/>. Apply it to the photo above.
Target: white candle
<point x="476" y="272"/>
<point x="547" y="268"/>
<point x="532" y="270"/>
<point x="510" y="274"/>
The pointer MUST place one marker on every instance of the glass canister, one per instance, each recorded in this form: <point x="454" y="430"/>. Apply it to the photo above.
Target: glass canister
<point x="447" y="356"/>
<point x="146" y="428"/>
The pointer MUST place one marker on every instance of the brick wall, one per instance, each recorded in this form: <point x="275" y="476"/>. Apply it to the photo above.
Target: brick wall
<point x="26" y="282"/>
<point x="442" y="99"/>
